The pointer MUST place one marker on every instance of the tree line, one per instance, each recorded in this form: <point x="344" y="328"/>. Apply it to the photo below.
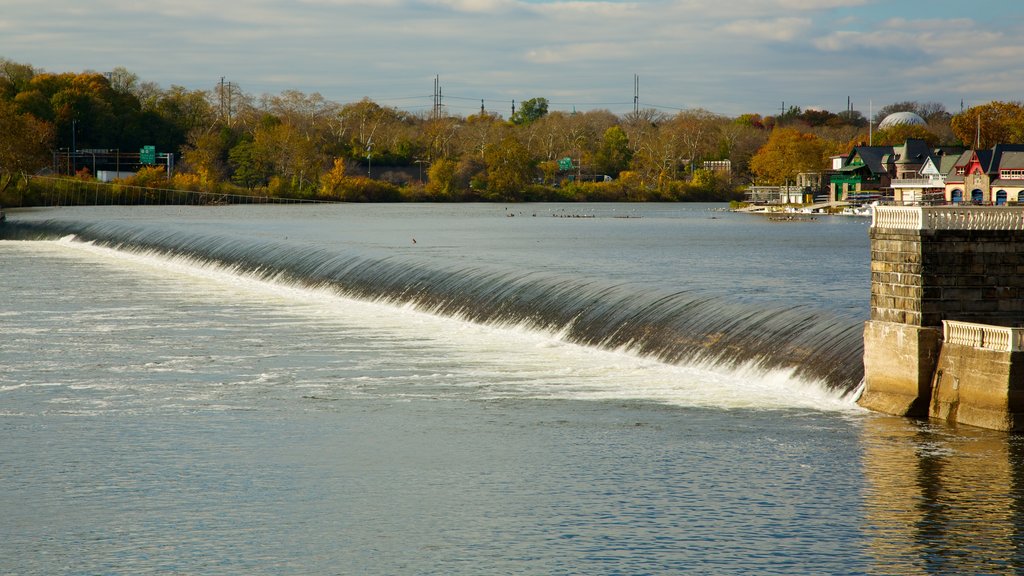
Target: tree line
<point x="298" y="145"/>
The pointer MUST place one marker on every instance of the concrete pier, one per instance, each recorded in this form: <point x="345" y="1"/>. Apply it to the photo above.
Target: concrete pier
<point x="947" y="298"/>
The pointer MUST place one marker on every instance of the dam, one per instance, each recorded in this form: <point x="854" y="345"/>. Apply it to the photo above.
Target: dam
<point x="945" y="338"/>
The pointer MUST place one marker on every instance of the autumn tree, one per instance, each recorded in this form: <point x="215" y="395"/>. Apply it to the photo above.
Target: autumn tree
<point x="740" y="140"/>
<point x="479" y="132"/>
<point x="990" y="124"/>
<point x="291" y="156"/>
<point x="787" y="153"/>
<point x="25" y="145"/>
<point x="509" y="169"/>
<point x="442" y="178"/>
<point x="899" y="133"/>
<point x="926" y="110"/>
<point x="696" y="133"/>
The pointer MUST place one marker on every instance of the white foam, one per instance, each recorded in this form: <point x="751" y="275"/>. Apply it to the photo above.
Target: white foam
<point x="505" y="361"/>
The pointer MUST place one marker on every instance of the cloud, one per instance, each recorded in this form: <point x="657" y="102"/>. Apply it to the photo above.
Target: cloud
<point x="822" y="4"/>
<point x="777" y="30"/>
<point x="575" y="52"/>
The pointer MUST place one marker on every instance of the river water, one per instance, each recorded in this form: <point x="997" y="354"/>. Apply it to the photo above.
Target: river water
<point x="466" y="389"/>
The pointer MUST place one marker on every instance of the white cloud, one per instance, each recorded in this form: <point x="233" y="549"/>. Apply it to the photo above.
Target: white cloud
<point x="778" y="29"/>
<point x="822" y="4"/>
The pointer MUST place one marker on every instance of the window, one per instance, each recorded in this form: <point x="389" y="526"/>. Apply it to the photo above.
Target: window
<point x="1014" y="174"/>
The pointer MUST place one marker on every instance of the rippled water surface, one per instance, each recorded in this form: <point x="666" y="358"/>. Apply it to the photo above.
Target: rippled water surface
<point x="159" y="416"/>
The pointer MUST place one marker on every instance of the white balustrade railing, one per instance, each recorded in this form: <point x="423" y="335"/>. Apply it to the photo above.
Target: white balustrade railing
<point x="984" y="336"/>
<point x="936" y="182"/>
<point x="897" y="217"/>
<point x="948" y="217"/>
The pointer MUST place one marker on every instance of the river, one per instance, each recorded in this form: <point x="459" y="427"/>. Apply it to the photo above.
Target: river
<point x="466" y="389"/>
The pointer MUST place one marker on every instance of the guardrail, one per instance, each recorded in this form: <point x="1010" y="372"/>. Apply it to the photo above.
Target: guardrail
<point x="948" y="217"/>
<point x="983" y="336"/>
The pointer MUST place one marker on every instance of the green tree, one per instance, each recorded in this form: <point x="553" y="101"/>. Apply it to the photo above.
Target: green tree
<point x="14" y="78"/>
<point x="247" y="170"/>
<point x="530" y="110"/>
<point x="614" y="155"/>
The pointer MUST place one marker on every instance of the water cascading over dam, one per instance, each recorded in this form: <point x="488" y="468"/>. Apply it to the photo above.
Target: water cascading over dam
<point x="675" y="327"/>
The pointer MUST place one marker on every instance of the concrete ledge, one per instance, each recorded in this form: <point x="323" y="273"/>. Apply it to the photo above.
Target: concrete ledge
<point x="979" y="387"/>
<point x="899" y="362"/>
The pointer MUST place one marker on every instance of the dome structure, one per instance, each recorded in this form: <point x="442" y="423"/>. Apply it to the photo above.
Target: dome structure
<point x="900" y="118"/>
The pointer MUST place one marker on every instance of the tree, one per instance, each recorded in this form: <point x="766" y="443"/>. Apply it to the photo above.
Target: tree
<point x="898" y="134"/>
<point x="290" y="155"/>
<point x="696" y="133"/>
<point x="509" y="169"/>
<point x="25" y="146"/>
<point x="441" y="176"/>
<point x="14" y="78"/>
<point x="990" y="124"/>
<point x="787" y="153"/>
<point x="530" y="111"/>
<point x="247" y="170"/>
<point x="926" y="110"/>
<point x="613" y="155"/>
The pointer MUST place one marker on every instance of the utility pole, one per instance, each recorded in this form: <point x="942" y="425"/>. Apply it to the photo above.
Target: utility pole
<point x="482" y="107"/>
<point x="437" y="97"/>
<point x="636" y="93"/>
<point x="224" y="91"/>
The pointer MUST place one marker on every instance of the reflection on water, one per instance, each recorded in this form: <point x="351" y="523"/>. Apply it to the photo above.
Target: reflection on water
<point x="941" y="500"/>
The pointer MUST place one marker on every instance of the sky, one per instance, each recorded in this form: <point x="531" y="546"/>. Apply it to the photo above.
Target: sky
<point x="727" y="56"/>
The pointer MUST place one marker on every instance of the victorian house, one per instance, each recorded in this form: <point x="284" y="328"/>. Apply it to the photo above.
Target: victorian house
<point x="993" y="176"/>
<point x="928" y="185"/>
<point x="868" y="171"/>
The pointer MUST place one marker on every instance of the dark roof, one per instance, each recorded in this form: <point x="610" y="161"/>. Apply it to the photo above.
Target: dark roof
<point x="913" y="151"/>
<point x="872" y="157"/>
<point x="997" y="153"/>
<point x="1011" y="160"/>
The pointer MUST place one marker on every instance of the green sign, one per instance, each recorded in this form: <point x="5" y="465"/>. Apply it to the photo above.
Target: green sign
<point x="147" y="155"/>
<point x="565" y="164"/>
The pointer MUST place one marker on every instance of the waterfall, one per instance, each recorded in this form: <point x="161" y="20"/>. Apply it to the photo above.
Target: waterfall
<point x="674" y="327"/>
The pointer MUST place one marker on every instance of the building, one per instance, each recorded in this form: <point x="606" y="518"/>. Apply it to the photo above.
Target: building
<point x="867" y="172"/>
<point x="910" y="173"/>
<point x="928" y="185"/>
<point x="992" y="177"/>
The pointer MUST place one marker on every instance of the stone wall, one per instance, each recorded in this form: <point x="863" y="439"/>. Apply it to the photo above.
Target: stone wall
<point x="922" y="277"/>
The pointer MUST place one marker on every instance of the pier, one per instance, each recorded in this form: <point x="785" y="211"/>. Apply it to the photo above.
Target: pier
<point x="945" y="338"/>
